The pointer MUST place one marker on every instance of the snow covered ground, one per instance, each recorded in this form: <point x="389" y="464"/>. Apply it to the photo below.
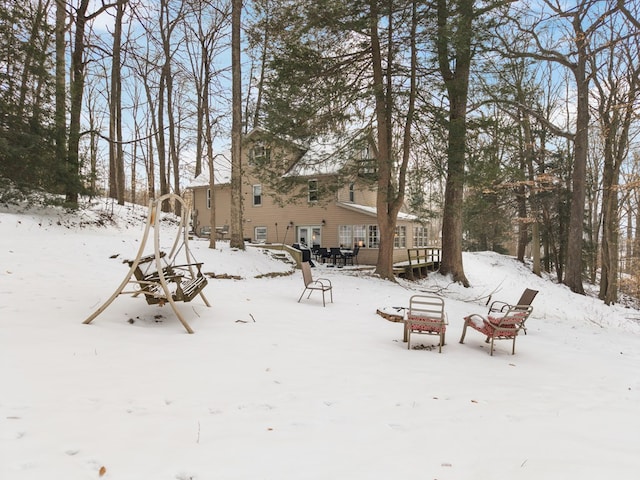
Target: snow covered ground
<point x="269" y="388"/>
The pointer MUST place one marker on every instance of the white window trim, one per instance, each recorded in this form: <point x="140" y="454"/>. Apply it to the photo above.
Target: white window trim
<point x="253" y="195"/>
<point x="315" y="181"/>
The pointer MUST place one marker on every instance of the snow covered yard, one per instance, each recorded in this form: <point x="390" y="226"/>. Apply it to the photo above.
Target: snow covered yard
<point x="268" y="388"/>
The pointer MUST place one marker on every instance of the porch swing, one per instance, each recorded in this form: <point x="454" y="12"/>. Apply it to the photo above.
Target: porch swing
<point x="162" y="277"/>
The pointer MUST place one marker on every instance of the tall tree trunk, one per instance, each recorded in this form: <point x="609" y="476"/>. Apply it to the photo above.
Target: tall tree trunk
<point x="263" y="67"/>
<point x="573" y="274"/>
<point x="160" y="139"/>
<point x="530" y="175"/>
<point x="457" y="84"/>
<point x="173" y="143"/>
<point x="617" y="96"/>
<point x="609" y="245"/>
<point x="208" y="139"/>
<point x="72" y="170"/>
<point x="61" y="96"/>
<point x="151" y="169"/>
<point x="237" y="239"/>
<point x="116" y="153"/>
<point x="386" y="224"/>
<point x="389" y="199"/>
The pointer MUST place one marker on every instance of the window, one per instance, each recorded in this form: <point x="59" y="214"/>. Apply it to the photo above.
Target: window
<point x="345" y="238"/>
<point x="260" y="153"/>
<point x="360" y="235"/>
<point x="209" y="198"/>
<point x="352" y="192"/>
<point x="368" y="164"/>
<point x="374" y="238"/>
<point x="400" y="239"/>
<point x="257" y="195"/>
<point x="260" y="234"/>
<point x="420" y="238"/>
<point x="313" y="190"/>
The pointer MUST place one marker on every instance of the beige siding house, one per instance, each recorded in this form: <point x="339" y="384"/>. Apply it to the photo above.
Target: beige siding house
<point x="341" y="217"/>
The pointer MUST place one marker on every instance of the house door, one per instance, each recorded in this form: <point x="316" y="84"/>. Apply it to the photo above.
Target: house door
<point x="309" y="235"/>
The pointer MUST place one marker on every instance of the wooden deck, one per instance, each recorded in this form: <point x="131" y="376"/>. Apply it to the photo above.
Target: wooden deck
<point x="420" y="261"/>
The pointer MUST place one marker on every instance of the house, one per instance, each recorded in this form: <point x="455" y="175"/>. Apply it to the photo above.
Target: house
<point x="330" y="199"/>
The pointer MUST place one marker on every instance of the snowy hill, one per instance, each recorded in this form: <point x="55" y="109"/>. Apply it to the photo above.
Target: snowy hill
<point x="269" y="388"/>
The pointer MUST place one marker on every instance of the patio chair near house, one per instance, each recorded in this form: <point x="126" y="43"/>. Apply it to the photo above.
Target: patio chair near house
<point x="500" y="325"/>
<point x="525" y="300"/>
<point x="321" y="284"/>
<point x="324" y="254"/>
<point x="337" y="257"/>
<point x="351" y="256"/>
<point x="426" y="316"/>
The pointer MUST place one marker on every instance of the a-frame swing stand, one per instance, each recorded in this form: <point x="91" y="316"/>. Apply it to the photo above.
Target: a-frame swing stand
<point x="159" y="276"/>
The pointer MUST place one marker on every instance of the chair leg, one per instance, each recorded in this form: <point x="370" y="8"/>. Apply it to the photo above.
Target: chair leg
<point x="492" y="338"/>
<point x="464" y="329"/>
<point x="513" y="348"/>
<point x="302" y="295"/>
<point x="405" y="335"/>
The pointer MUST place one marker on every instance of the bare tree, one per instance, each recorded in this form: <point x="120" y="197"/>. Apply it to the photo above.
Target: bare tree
<point x="454" y="37"/>
<point x="76" y="89"/>
<point x="116" y="153"/>
<point x="576" y="60"/>
<point x="169" y="20"/>
<point x="61" y="85"/>
<point x="617" y="82"/>
<point x="209" y="33"/>
<point x="236" y="240"/>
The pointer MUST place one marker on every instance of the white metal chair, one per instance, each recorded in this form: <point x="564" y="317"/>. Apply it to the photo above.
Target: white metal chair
<point x="426" y="315"/>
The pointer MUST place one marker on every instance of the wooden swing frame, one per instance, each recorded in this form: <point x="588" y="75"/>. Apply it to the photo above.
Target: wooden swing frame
<point x="187" y="278"/>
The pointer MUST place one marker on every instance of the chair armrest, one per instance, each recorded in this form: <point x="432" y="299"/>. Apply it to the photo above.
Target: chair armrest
<point x="498" y="306"/>
<point x="477" y="320"/>
<point x="325" y="282"/>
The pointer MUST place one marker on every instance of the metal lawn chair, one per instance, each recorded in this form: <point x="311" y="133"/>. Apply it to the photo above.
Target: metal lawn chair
<point x="320" y="284"/>
<point x="426" y="316"/>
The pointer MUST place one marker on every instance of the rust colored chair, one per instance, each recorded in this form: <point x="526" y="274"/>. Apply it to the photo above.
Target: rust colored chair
<point x="525" y="299"/>
<point x="501" y="325"/>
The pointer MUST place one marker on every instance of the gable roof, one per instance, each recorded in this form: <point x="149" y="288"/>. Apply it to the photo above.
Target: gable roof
<point x="221" y="171"/>
<point x="325" y="155"/>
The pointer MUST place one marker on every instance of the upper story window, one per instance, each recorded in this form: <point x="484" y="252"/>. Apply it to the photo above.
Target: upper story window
<point x="260" y="153"/>
<point x="257" y="195"/>
<point x="313" y="190"/>
<point x="352" y="192"/>
<point x="368" y="163"/>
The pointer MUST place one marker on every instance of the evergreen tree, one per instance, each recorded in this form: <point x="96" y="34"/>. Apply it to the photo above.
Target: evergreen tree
<point x="26" y="87"/>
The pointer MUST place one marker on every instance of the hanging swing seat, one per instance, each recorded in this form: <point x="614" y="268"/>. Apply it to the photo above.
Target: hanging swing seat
<point x="186" y="286"/>
<point x="160" y="276"/>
